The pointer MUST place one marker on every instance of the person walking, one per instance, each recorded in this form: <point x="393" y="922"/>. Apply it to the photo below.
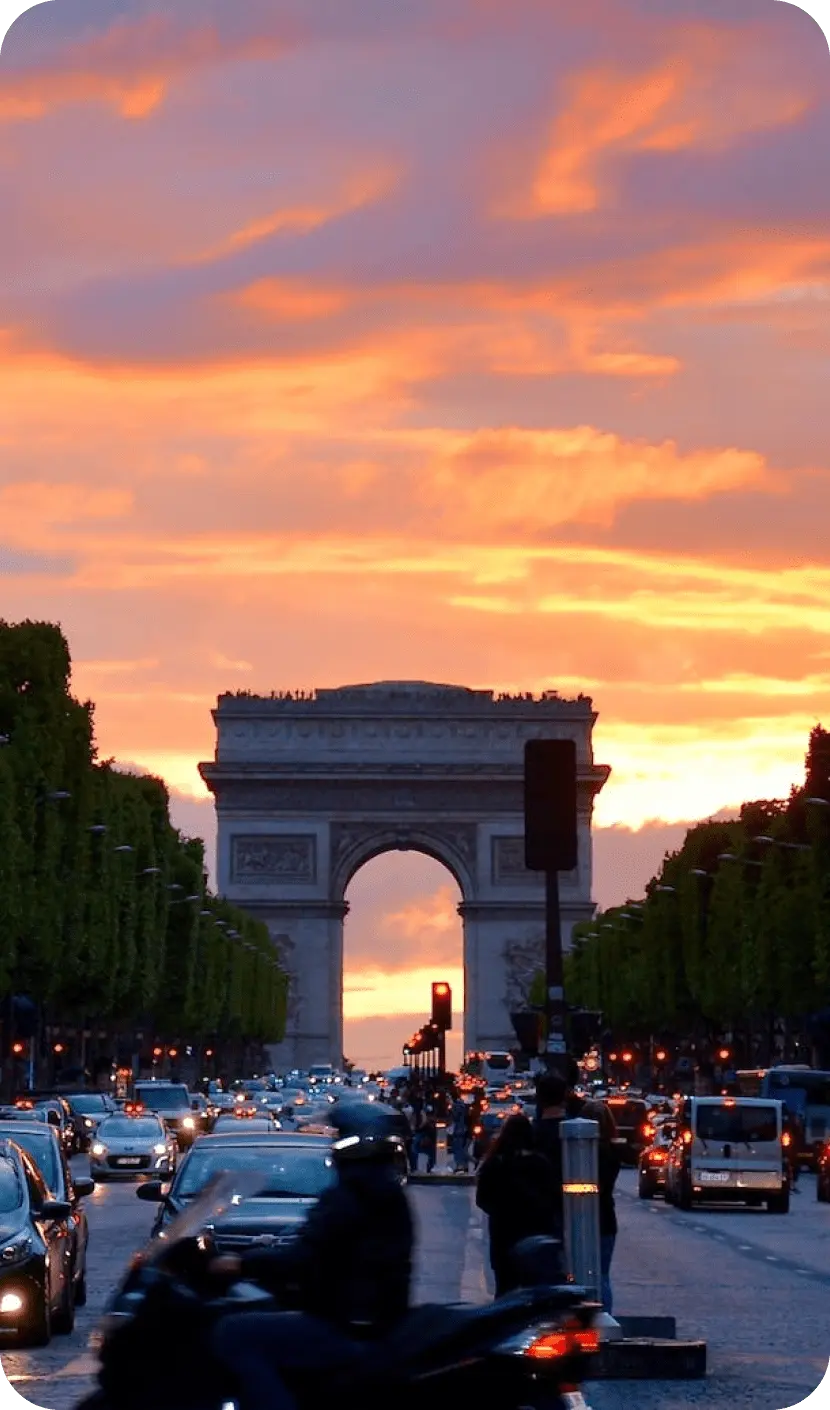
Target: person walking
<point x="610" y="1162"/>
<point x="460" y="1137"/>
<point x="513" y="1190"/>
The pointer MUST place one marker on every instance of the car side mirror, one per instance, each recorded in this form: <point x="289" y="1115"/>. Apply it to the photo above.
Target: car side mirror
<point x="152" y="1192"/>
<point x="83" y="1186"/>
<point x="55" y="1209"/>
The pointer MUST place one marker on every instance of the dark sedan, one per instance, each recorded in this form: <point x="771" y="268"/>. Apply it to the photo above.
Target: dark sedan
<point x="89" y="1109"/>
<point x="43" y="1145"/>
<point x="295" y="1170"/>
<point x="36" y="1295"/>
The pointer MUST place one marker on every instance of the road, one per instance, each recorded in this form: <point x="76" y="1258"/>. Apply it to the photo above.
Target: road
<point x="756" y="1287"/>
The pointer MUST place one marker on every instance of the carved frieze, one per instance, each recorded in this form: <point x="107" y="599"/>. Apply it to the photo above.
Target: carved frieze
<point x="429" y="797"/>
<point x="507" y="865"/>
<point x="274" y="860"/>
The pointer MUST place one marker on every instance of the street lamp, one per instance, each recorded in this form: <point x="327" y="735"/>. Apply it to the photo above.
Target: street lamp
<point x="124" y="847"/>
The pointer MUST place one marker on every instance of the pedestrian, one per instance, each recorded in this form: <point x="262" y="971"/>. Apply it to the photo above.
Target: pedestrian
<point x="460" y="1137"/>
<point x="610" y="1161"/>
<point x="428" y="1136"/>
<point x="514" y="1183"/>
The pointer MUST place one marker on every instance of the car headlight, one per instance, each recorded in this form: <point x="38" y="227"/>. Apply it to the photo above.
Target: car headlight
<point x="98" y="1149"/>
<point x="188" y="1123"/>
<point x="88" y="1123"/>
<point x="160" y="1149"/>
<point x="16" y="1250"/>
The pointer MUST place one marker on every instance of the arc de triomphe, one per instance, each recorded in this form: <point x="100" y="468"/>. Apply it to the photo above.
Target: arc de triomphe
<point x="308" y="787"/>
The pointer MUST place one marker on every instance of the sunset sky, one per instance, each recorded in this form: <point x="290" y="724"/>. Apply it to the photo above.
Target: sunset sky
<point x="481" y="341"/>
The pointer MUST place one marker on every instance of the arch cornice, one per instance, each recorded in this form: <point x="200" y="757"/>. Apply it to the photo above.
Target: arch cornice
<point x="355" y="843"/>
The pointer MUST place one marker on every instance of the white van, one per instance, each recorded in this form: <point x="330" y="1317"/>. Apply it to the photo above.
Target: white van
<point x="730" y="1149"/>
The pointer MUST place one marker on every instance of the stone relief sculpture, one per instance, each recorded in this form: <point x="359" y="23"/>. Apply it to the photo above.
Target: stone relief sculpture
<point x="523" y="958"/>
<point x="267" y="859"/>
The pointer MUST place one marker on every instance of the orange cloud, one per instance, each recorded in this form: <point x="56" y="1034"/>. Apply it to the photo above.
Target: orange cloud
<point x="676" y="104"/>
<point x="129" y="67"/>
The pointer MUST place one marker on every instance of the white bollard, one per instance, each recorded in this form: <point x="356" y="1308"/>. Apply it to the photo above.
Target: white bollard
<point x="580" y="1203"/>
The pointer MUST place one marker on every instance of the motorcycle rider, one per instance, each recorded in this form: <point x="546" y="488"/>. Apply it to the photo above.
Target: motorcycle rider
<point x="352" y="1263"/>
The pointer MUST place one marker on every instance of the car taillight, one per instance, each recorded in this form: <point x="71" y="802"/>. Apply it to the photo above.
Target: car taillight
<point x="687" y="1138"/>
<point x="657" y="1156"/>
<point x="565" y="1341"/>
<point x="649" y="1131"/>
<point x="476" y="1130"/>
<point x="786" y="1139"/>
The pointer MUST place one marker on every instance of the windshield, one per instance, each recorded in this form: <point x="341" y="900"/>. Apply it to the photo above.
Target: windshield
<point x="11" y="1189"/>
<point x="499" y="1061"/>
<point x="283" y="1172"/>
<point x="737" y="1123"/>
<point x="164" y="1098"/>
<point x="42" y="1150"/>
<point x="127" y="1128"/>
<point x="94" y="1102"/>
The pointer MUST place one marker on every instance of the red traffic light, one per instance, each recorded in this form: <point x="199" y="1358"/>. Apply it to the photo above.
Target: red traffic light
<point x="442" y="1006"/>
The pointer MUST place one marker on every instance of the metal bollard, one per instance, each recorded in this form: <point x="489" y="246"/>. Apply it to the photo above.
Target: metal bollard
<point x="580" y="1189"/>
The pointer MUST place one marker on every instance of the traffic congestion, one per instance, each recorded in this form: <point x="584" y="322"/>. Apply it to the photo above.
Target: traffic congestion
<point x="87" y="1181"/>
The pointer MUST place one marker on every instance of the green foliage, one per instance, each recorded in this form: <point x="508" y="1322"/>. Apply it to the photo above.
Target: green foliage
<point x="734" y="931"/>
<point x="94" y="879"/>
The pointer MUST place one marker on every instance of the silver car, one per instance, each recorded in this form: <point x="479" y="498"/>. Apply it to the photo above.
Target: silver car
<point x="127" y="1146"/>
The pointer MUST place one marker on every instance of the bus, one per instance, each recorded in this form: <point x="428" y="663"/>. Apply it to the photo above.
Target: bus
<point x="805" y="1092"/>
<point x="496" y="1069"/>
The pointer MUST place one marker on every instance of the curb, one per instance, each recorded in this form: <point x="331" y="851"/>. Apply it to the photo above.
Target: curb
<point x="649" y="1359"/>
<point x="440" y="1178"/>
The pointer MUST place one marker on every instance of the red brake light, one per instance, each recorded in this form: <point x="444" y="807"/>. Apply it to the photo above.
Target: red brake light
<point x="687" y="1138"/>
<point x="786" y="1139"/>
<point x="565" y="1341"/>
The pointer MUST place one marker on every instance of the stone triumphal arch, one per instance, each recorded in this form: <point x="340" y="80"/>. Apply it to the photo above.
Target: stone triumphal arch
<point x="308" y="787"/>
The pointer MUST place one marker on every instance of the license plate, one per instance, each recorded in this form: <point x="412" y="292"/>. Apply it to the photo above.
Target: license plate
<point x="130" y="1160"/>
<point x="714" y="1177"/>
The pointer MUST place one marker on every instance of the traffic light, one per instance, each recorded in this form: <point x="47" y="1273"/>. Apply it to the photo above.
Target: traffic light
<point x="442" y="1007"/>
<point x="550" y="805"/>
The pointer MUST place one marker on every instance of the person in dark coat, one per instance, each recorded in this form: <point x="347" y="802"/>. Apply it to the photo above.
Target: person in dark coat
<point x="352" y="1264"/>
<point x="557" y="1102"/>
<point x="514" y="1191"/>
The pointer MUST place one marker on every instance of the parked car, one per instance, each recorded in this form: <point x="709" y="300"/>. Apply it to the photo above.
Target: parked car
<point x="36" y="1294"/>
<point x="40" y="1141"/>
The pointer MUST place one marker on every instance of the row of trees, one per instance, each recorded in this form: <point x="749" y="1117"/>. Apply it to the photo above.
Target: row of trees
<point x="733" y="935"/>
<point x="105" y="913"/>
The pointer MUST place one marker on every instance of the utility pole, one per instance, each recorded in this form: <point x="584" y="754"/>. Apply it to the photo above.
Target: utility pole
<point x="551" y="846"/>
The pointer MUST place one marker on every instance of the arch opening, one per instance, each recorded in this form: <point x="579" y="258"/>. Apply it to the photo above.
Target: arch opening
<point x="402" y="931"/>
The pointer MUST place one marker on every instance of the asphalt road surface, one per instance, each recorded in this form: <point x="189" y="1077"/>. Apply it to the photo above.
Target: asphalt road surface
<point x="755" y="1287"/>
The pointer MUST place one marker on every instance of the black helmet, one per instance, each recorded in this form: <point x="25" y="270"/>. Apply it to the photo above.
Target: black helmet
<point x="363" y="1134"/>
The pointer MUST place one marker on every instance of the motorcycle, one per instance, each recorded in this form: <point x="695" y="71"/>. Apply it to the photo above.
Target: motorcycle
<point x="529" y="1350"/>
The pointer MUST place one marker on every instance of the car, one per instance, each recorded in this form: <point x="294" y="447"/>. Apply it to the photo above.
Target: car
<point x="59" y="1116"/>
<point x="130" y="1146"/>
<point x="41" y="1142"/>
<point x="36" y="1294"/>
<point x="654" y="1161"/>
<point x="296" y="1169"/>
<point x="633" y="1126"/>
<point x="88" y="1111"/>
<point x="262" y="1124"/>
<point x="173" y="1103"/>
<point x="823" y="1173"/>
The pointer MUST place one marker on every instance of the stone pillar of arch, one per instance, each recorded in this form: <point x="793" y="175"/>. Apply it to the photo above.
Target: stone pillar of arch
<point x="309" y="788"/>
